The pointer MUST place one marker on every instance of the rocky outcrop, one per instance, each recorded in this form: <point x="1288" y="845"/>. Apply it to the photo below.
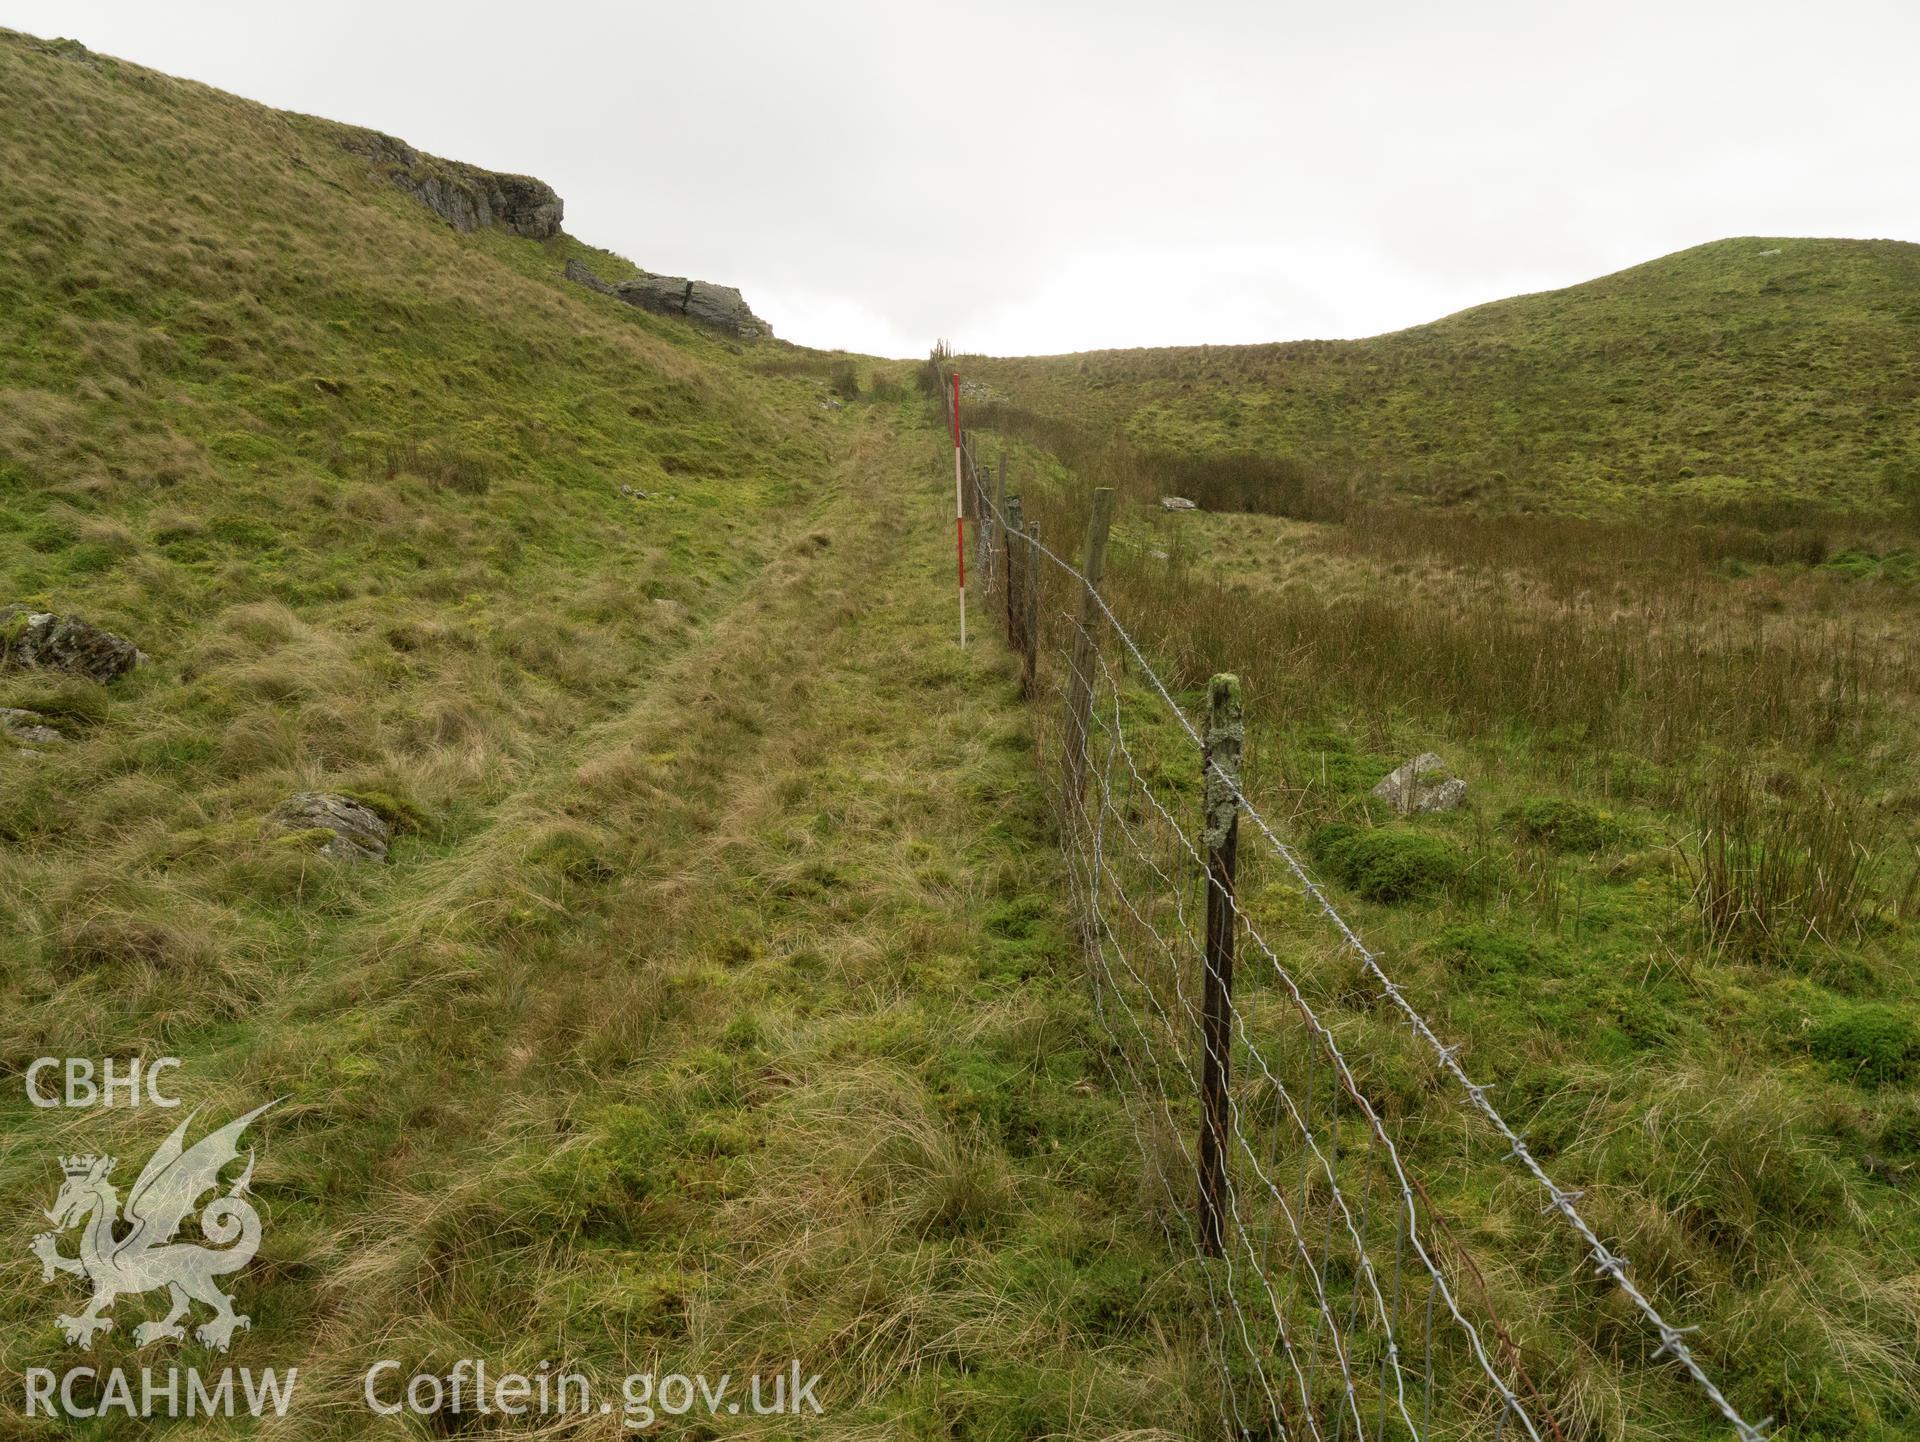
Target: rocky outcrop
<point x="469" y="198"/>
<point x="357" y="833"/>
<point x="580" y="275"/>
<point x="465" y="196"/>
<point x="719" y="306"/>
<point x="1422" y="784"/>
<point x="43" y="641"/>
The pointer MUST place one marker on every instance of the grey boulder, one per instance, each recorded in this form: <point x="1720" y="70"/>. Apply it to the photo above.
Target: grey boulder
<point x="1177" y="503"/>
<point x="580" y="275"/>
<point x="1422" y="784"/>
<point x="358" y="833"/>
<point x="44" y="641"/>
<point x="27" y="727"/>
<point x="720" y="307"/>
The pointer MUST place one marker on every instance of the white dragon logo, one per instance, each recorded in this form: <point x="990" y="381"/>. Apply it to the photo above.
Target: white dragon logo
<point x="146" y="1256"/>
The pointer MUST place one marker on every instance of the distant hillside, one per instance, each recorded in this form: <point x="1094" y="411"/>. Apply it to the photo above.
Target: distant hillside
<point x="1748" y="370"/>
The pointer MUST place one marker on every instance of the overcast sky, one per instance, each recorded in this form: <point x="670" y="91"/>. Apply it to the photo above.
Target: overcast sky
<point x="1055" y="177"/>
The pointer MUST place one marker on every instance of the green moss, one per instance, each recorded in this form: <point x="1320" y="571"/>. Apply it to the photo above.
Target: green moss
<point x="1322" y="757"/>
<point x="1899" y="1134"/>
<point x="310" y="839"/>
<point x="606" y="1181"/>
<point x="1870" y="1044"/>
<point x="1900" y="566"/>
<point x="398" y="812"/>
<point x="1474" y="949"/>
<point x="1386" y="864"/>
<point x="1016" y="920"/>
<point x="1562" y="825"/>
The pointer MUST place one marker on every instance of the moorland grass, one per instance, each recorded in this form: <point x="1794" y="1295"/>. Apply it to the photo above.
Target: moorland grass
<point x="686" y="1025"/>
<point x="1745" y="373"/>
<point x="1678" y="938"/>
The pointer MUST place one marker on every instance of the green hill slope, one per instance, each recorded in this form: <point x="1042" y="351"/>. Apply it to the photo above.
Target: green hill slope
<point x="1748" y="370"/>
<point x="710" y="1012"/>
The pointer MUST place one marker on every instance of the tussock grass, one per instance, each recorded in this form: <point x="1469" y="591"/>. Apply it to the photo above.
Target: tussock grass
<point x="1774" y="874"/>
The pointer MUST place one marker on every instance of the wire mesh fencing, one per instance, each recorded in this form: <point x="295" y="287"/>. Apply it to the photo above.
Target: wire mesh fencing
<point x="1343" y="1303"/>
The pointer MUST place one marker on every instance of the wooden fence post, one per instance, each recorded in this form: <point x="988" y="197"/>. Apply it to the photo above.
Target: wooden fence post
<point x="1220" y="836"/>
<point x="1030" y="624"/>
<point x="1014" y="605"/>
<point x="1080" y="679"/>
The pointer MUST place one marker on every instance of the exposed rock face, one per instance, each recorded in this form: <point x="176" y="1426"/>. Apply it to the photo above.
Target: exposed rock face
<point x="41" y="640"/>
<point x="719" y="306"/>
<point x="358" y="834"/>
<point x="28" y="728"/>
<point x="1422" y="784"/>
<point x="465" y="196"/>
<point x="580" y="275"/>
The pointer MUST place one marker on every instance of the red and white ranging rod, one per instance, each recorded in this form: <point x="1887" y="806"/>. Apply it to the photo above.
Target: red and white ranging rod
<point x="959" y="513"/>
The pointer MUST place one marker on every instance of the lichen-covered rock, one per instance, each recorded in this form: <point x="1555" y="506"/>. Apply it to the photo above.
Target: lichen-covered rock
<point x="1422" y="784"/>
<point x="719" y="306"/>
<point x="44" y="641"/>
<point x="1177" y="503"/>
<point x="465" y="196"/>
<point x="357" y="833"/>
<point x="28" y="728"/>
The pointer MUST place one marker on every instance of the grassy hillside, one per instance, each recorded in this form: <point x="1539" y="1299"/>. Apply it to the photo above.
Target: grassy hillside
<point x="712" y="1008"/>
<point x="716" y="1006"/>
<point x="1675" y="926"/>
<point x="1742" y="373"/>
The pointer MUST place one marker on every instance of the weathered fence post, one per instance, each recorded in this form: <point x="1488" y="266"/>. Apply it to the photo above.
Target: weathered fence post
<point x="1080" y="679"/>
<point x="1014" y="605"/>
<point x="1226" y="736"/>
<point x="1030" y="623"/>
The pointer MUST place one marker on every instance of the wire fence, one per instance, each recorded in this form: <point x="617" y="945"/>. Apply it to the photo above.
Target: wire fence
<point x="1343" y="1304"/>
